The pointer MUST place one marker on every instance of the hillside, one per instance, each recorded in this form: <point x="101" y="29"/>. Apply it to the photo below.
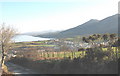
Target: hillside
<point x="107" y="25"/>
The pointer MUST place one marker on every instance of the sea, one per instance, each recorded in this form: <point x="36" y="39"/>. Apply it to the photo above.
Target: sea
<point x="28" y="38"/>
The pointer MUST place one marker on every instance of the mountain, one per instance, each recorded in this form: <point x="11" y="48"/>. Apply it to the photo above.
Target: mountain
<point x="49" y="35"/>
<point x="93" y="26"/>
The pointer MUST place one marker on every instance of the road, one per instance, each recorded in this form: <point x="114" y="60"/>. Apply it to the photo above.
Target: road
<point x="19" y="69"/>
<point x="0" y="71"/>
<point x="0" y="64"/>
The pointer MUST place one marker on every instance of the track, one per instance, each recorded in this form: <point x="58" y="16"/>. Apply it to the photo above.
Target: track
<point x="17" y="70"/>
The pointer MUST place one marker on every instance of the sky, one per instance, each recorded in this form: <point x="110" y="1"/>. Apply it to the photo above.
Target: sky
<point x="53" y="15"/>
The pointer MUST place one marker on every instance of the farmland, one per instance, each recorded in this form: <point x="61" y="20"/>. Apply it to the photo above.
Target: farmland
<point x="52" y="56"/>
<point x="70" y="62"/>
<point x="62" y="48"/>
<point x="59" y="55"/>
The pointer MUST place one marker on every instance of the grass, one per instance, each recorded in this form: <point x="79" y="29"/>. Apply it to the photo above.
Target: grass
<point x="104" y="49"/>
<point x="69" y="38"/>
<point x="57" y="55"/>
<point x="39" y="42"/>
<point x="62" y="55"/>
<point x="30" y="45"/>
<point x="42" y="45"/>
<point x="33" y="44"/>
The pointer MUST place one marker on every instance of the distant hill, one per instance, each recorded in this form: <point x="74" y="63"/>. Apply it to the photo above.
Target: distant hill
<point x="107" y="25"/>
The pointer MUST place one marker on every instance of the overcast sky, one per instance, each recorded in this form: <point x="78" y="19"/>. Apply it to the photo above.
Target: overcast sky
<point x="51" y="15"/>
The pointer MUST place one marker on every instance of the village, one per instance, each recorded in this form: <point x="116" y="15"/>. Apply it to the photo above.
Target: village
<point x="54" y="45"/>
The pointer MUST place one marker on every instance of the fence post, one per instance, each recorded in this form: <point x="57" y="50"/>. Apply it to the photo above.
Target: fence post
<point x="43" y="54"/>
<point x="53" y="54"/>
<point x="117" y="53"/>
<point x="72" y="54"/>
<point x="40" y="54"/>
<point x="57" y="54"/>
<point x="47" y="54"/>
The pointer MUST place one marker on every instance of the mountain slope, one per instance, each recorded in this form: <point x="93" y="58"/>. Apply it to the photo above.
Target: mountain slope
<point x="107" y="25"/>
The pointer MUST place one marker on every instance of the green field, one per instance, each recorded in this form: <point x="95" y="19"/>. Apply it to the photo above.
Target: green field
<point x="57" y="55"/>
<point x="33" y="44"/>
<point x="62" y="55"/>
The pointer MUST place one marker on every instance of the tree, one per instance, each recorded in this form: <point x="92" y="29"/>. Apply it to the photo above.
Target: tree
<point x="85" y="39"/>
<point x="105" y="37"/>
<point x="90" y="37"/>
<point x="98" y="36"/>
<point x="6" y="34"/>
<point x="112" y="36"/>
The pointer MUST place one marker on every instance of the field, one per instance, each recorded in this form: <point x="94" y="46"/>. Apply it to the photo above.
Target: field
<point x="57" y="55"/>
<point x="92" y="61"/>
<point x="33" y="44"/>
<point x="35" y="55"/>
<point x="65" y="48"/>
<point x="66" y="56"/>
